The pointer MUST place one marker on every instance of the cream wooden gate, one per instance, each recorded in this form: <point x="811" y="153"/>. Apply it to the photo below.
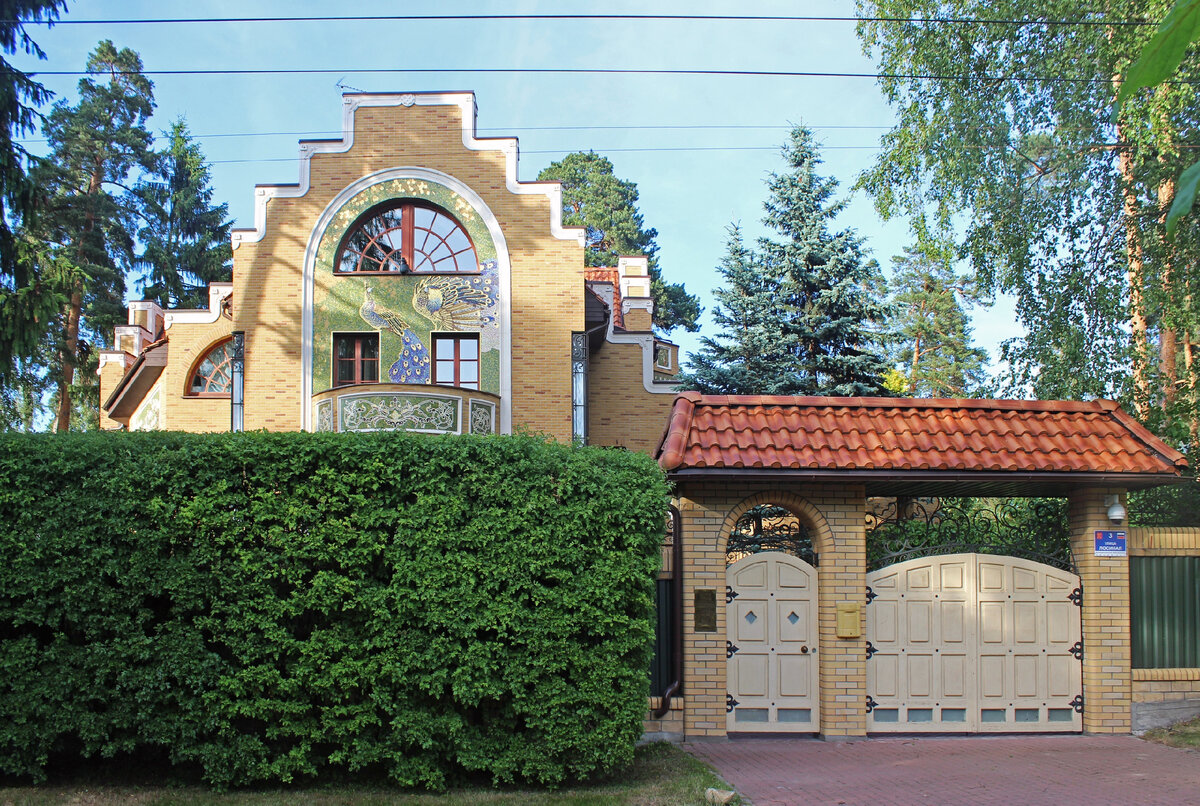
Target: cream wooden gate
<point x="771" y="645"/>
<point x="973" y="643"/>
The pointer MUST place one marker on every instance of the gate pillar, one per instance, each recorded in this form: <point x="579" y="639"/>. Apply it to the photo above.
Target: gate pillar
<point x="1107" y="653"/>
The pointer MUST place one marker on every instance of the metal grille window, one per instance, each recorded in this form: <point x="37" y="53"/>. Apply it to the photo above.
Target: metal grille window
<point x="213" y="375"/>
<point x="456" y="360"/>
<point x="355" y="358"/>
<point x="406" y="238"/>
<point x="1164" y="594"/>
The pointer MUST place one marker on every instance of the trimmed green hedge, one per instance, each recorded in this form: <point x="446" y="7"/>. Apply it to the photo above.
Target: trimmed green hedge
<point x="268" y="606"/>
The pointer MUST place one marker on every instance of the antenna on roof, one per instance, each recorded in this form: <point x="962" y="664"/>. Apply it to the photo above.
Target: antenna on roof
<point x="344" y="87"/>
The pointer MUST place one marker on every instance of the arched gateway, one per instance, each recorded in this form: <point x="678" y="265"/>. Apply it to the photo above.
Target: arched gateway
<point x="832" y="461"/>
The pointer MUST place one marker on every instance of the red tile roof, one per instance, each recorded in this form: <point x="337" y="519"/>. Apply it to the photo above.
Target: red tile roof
<point x="847" y="434"/>
<point x="604" y="274"/>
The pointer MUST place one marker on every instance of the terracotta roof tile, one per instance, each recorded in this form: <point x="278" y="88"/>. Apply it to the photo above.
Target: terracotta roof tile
<point x="831" y="434"/>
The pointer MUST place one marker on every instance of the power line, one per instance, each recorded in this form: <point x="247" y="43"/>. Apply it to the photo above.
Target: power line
<point x="591" y="18"/>
<point x="593" y="71"/>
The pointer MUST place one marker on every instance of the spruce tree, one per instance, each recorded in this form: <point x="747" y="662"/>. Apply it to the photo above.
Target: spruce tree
<point x="86" y="235"/>
<point x="594" y="198"/>
<point x="754" y="351"/>
<point x="930" y="337"/>
<point x="185" y="237"/>
<point x="817" y="309"/>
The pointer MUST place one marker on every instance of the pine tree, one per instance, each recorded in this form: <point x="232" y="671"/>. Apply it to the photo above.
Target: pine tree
<point x="755" y="352"/>
<point x="86" y="236"/>
<point x="931" y="332"/>
<point x="594" y="198"/>
<point x="185" y="237"/>
<point x="26" y="299"/>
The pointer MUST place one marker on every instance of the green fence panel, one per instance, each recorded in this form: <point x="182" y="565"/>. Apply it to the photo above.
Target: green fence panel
<point x="1164" y="595"/>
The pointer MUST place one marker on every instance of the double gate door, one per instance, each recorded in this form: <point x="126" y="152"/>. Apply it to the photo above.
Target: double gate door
<point x="973" y="643"/>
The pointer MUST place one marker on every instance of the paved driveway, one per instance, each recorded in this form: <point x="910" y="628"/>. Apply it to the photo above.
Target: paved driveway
<point x="1007" y="770"/>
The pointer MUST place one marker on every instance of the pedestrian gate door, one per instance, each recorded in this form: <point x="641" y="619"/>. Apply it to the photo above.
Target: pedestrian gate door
<point x="973" y="643"/>
<point x="771" y="646"/>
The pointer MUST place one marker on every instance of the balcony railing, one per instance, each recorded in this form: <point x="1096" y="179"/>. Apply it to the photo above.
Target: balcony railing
<point x="406" y="407"/>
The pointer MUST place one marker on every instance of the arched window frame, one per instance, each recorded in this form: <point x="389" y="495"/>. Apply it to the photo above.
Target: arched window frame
<point x="465" y="260"/>
<point x="225" y="342"/>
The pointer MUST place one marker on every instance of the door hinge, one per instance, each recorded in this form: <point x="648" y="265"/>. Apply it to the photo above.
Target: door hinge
<point x="1077" y="703"/>
<point x="1077" y="650"/>
<point x="730" y="594"/>
<point x="730" y="648"/>
<point x="870" y="594"/>
<point x="1077" y="597"/>
<point x="730" y="702"/>
<point x="871" y="704"/>
<point x="871" y="650"/>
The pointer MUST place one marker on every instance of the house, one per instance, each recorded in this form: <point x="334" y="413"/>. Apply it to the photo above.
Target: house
<point x="410" y="280"/>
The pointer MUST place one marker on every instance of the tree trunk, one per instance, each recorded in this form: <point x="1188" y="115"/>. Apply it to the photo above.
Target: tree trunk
<point x="912" y="375"/>
<point x="1167" y="340"/>
<point x="75" y="308"/>
<point x="1135" y="275"/>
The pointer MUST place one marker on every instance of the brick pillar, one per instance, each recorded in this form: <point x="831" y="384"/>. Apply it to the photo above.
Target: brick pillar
<point x="842" y="578"/>
<point x="1107" y="655"/>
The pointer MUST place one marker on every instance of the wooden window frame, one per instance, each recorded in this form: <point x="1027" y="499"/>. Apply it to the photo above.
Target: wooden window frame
<point x="457" y="339"/>
<point x="195" y="370"/>
<point x="408" y="252"/>
<point x="358" y="361"/>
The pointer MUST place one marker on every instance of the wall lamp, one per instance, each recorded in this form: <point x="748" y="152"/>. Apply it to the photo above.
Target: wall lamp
<point x="1116" y="510"/>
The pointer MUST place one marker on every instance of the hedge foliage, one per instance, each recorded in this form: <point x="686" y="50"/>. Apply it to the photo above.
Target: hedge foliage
<point x="269" y="606"/>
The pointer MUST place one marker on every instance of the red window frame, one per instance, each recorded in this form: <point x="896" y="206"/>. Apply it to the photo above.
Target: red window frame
<point x="450" y="368"/>
<point x="422" y="249"/>
<point x="363" y="360"/>
<point x="216" y="370"/>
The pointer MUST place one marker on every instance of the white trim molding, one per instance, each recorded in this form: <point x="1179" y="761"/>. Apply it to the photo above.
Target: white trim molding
<point x="465" y="101"/>
<point x="217" y="292"/>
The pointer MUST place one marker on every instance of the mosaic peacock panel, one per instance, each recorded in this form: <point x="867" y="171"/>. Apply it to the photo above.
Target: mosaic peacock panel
<point x="406" y="309"/>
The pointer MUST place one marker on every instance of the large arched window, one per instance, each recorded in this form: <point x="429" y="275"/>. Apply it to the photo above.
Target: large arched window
<point x="212" y="375"/>
<point x="406" y="237"/>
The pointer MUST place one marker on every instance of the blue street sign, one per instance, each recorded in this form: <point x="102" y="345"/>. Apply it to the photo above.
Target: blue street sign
<point x="1110" y="544"/>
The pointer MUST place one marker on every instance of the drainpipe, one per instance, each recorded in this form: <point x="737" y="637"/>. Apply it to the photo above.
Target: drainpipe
<point x="676" y="686"/>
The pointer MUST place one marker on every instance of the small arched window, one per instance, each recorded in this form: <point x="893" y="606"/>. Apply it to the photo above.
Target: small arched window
<point x="404" y="238"/>
<point x="212" y="375"/>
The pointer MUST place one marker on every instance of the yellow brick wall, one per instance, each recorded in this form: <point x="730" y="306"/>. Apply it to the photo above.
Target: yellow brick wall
<point x="1107" y="653"/>
<point x="620" y="410"/>
<point x="110" y="376"/>
<point x="1164" y="541"/>
<point x="187" y="343"/>
<point x="547" y="272"/>
<point x="1166" y="685"/>
<point x="836" y="518"/>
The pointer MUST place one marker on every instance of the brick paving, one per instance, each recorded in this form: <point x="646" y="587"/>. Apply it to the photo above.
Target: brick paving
<point x="975" y="770"/>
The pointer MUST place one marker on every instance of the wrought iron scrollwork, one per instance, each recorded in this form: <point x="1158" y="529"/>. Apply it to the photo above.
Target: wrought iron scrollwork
<point x="730" y="703"/>
<point x="1077" y="650"/>
<point x="730" y="649"/>
<point x="770" y="528"/>
<point x="906" y="528"/>
<point x="1077" y="703"/>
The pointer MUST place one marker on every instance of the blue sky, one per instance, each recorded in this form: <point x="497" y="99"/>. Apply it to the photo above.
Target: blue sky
<point x="698" y="147"/>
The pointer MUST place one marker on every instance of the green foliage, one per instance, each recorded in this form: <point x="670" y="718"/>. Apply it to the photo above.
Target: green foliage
<point x="801" y="314"/>
<point x="185" y="237"/>
<point x="25" y="299"/>
<point x="1012" y="154"/>
<point x="930" y="332"/>
<point x="595" y="199"/>
<point x="1171" y="505"/>
<point x="272" y="606"/>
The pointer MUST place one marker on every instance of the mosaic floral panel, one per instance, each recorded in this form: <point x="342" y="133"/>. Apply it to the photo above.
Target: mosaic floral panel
<point x="396" y="412"/>
<point x="482" y="418"/>
<point x="325" y="415"/>
<point x="148" y="416"/>
<point x="406" y="309"/>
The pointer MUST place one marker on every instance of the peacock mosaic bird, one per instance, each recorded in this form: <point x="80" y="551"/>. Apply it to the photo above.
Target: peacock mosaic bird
<point x="413" y="364"/>
<point x="455" y="303"/>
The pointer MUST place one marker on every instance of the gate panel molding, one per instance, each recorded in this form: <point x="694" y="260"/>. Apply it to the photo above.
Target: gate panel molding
<point x="972" y="643"/>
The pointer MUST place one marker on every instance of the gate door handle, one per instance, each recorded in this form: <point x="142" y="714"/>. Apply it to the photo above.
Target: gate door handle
<point x="804" y="650"/>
